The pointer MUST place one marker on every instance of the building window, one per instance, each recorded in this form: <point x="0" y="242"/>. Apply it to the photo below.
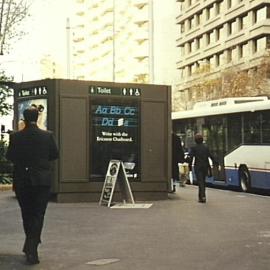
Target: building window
<point x="240" y="51"/>
<point x="192" y="22"/>
<point x="268" y="12"/>
<point x="182" y="51"/>
<point x="268" y="42"/>
<point x="234" y="26"/>
<point x="207" y="13"/>
<point x="181" y="73"/>
<point x="229" y="28"/>
<point x="189" y="47"/>
<point x="199" y="43"/>
<point x="189" y="70"/>
<point x="261" y="14"/>
<point x="261" y="44"/>
<point x="208" y="38"/>
<point x="210" y="12"/>
<point x="212" y="37"/>
<point x="193" y="46"/>
<point x="218" y="33"/>
<point x="243" y="22"/>
<point x="254" y="16"/>
<point x="182" y="27"/>
<point x="245" y="50"/>
<point x="218" y="59"/>
<point x="229" y="3"/>
<point x="254" y="46"/>
<point x="199" y="18"/>
<point x="229" y="55"/>
<point x="218" y="7"/>
<point x="188" y="24"/>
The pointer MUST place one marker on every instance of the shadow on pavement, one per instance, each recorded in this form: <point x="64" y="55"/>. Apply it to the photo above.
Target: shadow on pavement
<point x="12" y="261"/>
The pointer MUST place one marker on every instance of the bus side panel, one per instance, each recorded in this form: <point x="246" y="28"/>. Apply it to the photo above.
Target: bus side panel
<point x="232" y="176"/>
<point x="260" y="179"/>
<point x="256" y="159"/>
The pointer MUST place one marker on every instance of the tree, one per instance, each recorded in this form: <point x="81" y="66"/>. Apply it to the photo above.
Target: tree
<point x="5" y="93"/>
<point x="230" y="82"/>
<point x="12" y="13"/>
<point x="233" y="81"/>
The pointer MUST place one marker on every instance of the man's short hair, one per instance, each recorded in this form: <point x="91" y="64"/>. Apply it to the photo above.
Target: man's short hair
<point x="198" y="138"/>
<point x="30" y="114"/>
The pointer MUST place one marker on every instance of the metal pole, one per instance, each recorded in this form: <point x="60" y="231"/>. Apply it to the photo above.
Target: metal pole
<point x="68" y="47"/>
<point x="151" y="42"/>
<point x="113" y="68"/>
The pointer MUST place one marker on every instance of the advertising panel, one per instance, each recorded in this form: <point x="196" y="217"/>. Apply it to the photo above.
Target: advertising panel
<point x="33" y="97"/>
<point x="40" y="104"/>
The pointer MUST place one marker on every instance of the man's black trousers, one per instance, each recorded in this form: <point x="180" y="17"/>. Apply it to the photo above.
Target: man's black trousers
<point x="33" y="201"/>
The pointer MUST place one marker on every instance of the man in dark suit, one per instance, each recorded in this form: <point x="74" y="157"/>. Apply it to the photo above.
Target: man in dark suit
<point x="31" y="150"/>
<point x="201" y="154"/>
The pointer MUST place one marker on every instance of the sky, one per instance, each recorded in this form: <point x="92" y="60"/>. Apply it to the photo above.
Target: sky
<point x="45" y="34"/>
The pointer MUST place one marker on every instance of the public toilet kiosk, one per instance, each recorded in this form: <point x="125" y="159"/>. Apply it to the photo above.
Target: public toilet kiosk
<point x="95" y="122"/>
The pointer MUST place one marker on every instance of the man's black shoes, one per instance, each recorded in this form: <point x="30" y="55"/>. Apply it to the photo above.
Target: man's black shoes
<point x="202" y="200"/>
<point x="31" y="259"/>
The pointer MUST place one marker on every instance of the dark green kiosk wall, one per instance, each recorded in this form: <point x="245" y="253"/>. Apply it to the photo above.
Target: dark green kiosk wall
<point x="94" y="122"/>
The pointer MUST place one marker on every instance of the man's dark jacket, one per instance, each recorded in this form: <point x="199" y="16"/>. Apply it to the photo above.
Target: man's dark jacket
<point x="201" y="154"/>
<point x="31" y="151"/>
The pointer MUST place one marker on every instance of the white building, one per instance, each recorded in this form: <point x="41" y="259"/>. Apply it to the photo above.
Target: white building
<point x="125" y="41"/>
<point x="221" y="33"/>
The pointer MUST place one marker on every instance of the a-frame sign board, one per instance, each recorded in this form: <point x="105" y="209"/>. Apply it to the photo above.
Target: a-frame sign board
<point x="116" y="172"/>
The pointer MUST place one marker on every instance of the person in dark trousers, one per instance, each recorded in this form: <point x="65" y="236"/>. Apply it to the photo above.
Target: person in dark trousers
<point x="177" y="157"/>
<point x="201" y="154"/>
<point x="31" y="150"/>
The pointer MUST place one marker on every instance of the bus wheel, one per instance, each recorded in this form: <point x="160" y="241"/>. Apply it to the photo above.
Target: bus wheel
<point x="244" y="178"/>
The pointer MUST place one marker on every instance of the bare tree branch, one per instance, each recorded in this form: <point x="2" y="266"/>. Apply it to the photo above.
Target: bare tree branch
<point x="12" y="13"/>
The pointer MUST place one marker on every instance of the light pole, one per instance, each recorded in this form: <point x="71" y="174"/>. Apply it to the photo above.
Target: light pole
<point x="113" y="67"/>
<point x="68" y="47"/>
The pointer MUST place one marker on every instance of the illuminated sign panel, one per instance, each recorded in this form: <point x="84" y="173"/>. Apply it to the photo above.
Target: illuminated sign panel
<point x="115" y="135"/>
<point x="114" y="91"/>
<point x="32" y="92"/>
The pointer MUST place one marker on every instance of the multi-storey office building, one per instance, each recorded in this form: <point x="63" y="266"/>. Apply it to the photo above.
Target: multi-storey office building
<point x="220" y="33"/>
<point x="125" y="41"/>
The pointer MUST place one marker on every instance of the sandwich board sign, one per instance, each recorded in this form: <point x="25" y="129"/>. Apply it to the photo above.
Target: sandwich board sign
<point x="116" y="172"/>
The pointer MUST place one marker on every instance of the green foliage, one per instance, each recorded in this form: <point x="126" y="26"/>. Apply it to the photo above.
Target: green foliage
<point x="2" y="150"/>
<point x="5" y="165"/>
<point x="5" y="93"/>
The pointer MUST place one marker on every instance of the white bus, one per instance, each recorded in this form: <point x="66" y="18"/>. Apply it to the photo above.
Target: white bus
<point x="237" y="131"/>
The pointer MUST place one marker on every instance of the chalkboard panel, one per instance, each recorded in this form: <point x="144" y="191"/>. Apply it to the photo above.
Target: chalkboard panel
<point x="110" y="181"/>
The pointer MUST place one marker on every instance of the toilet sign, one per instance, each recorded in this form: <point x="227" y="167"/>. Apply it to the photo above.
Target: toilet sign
<point x="116" y="172"/>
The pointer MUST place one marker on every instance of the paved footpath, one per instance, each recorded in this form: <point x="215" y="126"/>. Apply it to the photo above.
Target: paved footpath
<point x="230" y="232"/>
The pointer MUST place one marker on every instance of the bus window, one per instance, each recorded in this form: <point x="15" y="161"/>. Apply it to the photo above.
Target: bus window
<point x="234" y="131"/>
<point x="214" y="132"/>
<point x="252" y="122"/>
<point x="266" y="127"/>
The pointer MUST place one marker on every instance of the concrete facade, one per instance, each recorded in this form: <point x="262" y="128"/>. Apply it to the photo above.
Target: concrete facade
<point x="222" y="34"/>
<point x="125" y="41"/>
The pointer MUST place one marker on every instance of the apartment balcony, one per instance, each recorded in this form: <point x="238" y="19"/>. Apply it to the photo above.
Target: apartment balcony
<point x="80" y="13"/>
<point x="141" y="16"/>
<point x="141" y="51"/>
<point x="140" y="3"/>
<point x="79" y="46"/>
<point x="97" y="2"/>
<point x="141" y="36"/>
